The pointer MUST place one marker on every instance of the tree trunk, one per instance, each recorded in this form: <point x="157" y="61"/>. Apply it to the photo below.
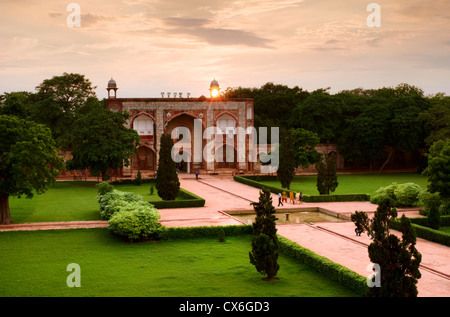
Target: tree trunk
<point x="391" y="151"/>
<point x="5" y="215"/>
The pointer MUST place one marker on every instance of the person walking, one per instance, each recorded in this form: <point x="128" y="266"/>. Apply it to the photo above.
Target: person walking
<point x="291" y="197"/>
<point x="279" y="200"/>
<point x="196" y="174"/>
<point x="300" y="197"/>
<point x="284" y="198"/>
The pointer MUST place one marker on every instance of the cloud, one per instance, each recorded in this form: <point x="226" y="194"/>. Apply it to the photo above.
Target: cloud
<point x="198" y="28"/>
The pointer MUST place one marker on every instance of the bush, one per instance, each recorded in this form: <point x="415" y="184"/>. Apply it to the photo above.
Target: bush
<point x="406" y="194"/>
<point x="136" y="221"/>
<point x="104" y="187"/>
<point x="428" y="199"/>
<point x="400" y="195"/>
<point x="113" y="200"/>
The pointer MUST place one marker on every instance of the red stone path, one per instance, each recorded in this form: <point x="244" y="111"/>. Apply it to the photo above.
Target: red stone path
<point x="333" y="240"/>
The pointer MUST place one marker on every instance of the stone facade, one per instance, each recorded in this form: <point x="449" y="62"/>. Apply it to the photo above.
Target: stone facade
<point x="152" y="117"/>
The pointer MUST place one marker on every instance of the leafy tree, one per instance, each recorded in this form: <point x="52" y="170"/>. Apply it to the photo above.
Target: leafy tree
<point x="167" y="182"/>
<point x="326" y="175"/>
<point x="436" y="119"/>
<point x="56" y="103"/>
<point x="438" y="169"/>
<point x="15" y="104"/>
<point x="101" y="140"/>
<point x="320" y="112"/>
<point x="398" y="259"/>
<point x="297" y="148"/>
<point x="264" y="254"/>
<point x="28" y="161"/>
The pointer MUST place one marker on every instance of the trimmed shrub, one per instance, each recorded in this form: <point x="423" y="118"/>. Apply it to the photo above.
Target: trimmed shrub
<point x="421" y="226"/>
<point x="136" y="221"/>
<point x="104" y="187"/>
<point x="406" y="194"/>
<point x="111" y="201"/>
<point x="400" y="195"/>
<point x="188" y="200"/>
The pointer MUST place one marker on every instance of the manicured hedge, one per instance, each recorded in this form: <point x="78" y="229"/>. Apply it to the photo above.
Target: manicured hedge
<point x="189" y="200"/>
<point x="253" y="181"/>
<point x="424" y="232"/>
<point x="173" y="233"/>
<point x="332" y="270"/>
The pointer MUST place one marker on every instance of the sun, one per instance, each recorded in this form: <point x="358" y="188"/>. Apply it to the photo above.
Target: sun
<point x="214" y="92"/>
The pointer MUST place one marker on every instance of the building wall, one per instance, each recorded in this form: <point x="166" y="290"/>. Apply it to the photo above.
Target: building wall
<point x="167" y="113"/>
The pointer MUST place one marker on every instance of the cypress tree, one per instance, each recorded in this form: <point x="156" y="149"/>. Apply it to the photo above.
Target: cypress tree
<point x="167" y="182"/>
<point x="326" y="175"/>
<point x="264" y="254"/>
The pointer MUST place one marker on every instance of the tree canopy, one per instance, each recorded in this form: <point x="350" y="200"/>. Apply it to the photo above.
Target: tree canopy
<point x="29" y="160"/>
<point x="101" y="140"/>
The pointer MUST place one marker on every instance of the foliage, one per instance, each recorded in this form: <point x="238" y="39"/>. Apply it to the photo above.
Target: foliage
<point x="264" y="252"/>
<point x="287" y="164"/>
<point x="326" y="175"/>
<point x="428" y="199"/>
<point x="434" y="218"/>
<point x="138" y="180"/>
<point x="398" y="259"/>
<point x="167" y="183"/>
<point x="438" y="169"/>
<point x="436" y="119"/>
<point x="400" y="195"/>
<point x="112" y="201"/>
<point x="29" y="161"/>
<point x="57" y="102"/>
<point x="423" y="230"/>
<point x="136" y="221"/>
<point x="221" y="235"/>
<point x="15" y="104"/>
<point x="101" y="140"/>
<point x="104" y="187"/>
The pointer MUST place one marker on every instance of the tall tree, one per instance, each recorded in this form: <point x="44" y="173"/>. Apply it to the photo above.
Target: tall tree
<point x="438" y="169"/>
<point x="56" y="103"/>
<point x="287" y="163"/>
<point x="101" y="140"/>
<point x="29" y="161"/>
<point x="326" y="175"/>
<point x="398" y="259"/>
<point x="264" y="254"/>
<point x="436" y="119"/>
<point x="167" y="182"/>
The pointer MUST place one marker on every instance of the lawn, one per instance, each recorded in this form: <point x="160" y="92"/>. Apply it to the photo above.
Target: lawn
<point x="67" y="201"/>
<point x="34" y="264"/>
<point x="353" y="183"/>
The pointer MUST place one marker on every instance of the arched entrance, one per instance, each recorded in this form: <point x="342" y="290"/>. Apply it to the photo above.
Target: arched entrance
<point x="185" y="121"/>
<point x="145" y="159"/>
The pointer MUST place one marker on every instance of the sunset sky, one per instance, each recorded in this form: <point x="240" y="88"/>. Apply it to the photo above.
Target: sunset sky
<point x="157" y="46"/>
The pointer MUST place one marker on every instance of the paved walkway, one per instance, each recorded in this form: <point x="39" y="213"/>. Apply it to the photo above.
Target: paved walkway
<point x="333" y="240"/>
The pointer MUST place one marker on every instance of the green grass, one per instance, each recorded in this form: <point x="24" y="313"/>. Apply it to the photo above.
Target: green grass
<point x="353" y="183"/>
<point x="68" y="201"/>
<point x="34" y="264"/>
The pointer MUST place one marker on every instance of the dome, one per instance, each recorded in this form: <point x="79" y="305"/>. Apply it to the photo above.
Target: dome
<point x="112" y="83"/>
<point x="214" y="84"/>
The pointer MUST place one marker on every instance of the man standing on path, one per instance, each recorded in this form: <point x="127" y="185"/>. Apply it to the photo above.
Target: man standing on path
<point x="279" y="200"/>
<point x="196" y="174"/>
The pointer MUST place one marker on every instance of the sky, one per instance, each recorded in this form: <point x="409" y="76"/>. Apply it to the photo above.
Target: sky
<point x="156" y="46"/>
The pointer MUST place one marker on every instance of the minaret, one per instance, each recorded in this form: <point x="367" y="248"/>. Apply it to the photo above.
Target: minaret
<point x="112" y="86"/>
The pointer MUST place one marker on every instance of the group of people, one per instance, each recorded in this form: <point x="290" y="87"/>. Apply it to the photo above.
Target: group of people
<point x="282" y="197"/>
